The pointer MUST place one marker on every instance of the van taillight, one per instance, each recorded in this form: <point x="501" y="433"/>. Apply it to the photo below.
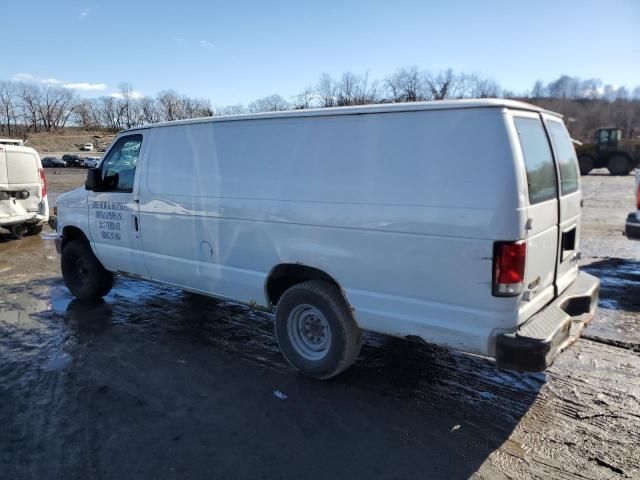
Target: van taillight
<point x="638" y="197"/>
<point x="43" y="182"/>
<point x="508" y="268"/>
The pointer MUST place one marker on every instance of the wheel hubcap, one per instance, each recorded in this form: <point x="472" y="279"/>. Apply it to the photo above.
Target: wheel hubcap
<point x="309" y="332"/>
<point x="82" y="270"/>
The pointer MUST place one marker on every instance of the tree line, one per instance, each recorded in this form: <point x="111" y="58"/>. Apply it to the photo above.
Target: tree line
<point x="586" y="104"/>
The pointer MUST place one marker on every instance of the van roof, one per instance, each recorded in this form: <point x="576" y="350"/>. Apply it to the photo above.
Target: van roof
<point x="17" y="148"/>
<point x="364" y="109"/>
<point x="11" y="141"/>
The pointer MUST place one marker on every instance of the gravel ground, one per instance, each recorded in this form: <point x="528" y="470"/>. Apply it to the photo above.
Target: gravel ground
<point x="155" y="384"/>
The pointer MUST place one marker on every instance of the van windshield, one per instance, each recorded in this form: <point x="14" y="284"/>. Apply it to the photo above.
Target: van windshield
<point x="541" y="173"/>
<point x="566" y="157"/>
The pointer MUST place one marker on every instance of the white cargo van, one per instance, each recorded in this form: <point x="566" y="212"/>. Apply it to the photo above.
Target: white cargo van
<point x="456" y="222"/>
<point x="23" y="189"/>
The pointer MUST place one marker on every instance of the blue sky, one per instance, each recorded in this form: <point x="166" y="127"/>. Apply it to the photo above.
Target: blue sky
<point x="236" y="51"/>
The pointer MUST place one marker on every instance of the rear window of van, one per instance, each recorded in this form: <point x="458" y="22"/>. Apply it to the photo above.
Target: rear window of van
<point x="541" y="174"/>
<point x="566" y="156"/>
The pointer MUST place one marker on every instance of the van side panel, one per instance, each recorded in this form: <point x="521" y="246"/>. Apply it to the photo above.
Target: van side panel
<point x="401" y="209"/>
<point x="3" y="167"/>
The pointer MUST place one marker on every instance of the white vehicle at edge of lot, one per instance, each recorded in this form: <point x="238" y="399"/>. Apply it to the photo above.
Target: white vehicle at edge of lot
<point x="87" y="147"/>
<point x="632" y="227"/>
<point x="438" y="220"/>
<point x="23" y="189"/>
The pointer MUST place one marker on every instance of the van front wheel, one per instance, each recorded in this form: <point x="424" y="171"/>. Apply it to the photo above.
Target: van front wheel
<point x="315" y="329"/>
<point x="83" y="273"/>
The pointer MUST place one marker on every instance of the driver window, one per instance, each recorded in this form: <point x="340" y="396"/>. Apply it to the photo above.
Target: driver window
<point x="119" y="167"/>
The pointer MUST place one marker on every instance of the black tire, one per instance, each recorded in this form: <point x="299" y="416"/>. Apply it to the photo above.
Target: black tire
<point x="586" y="164"/>
<point x="83" y="273"/>
<point x="19" y="231"/>
<point x="34" y="229"/>
<point x="345" y="336"/>
<point x="619" y="165"/>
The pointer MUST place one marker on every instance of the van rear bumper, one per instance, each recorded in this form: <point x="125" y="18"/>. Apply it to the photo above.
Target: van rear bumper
<point x="632" y="227"/>
<point x="536" y="344"/>
<point x="30" y="218"/>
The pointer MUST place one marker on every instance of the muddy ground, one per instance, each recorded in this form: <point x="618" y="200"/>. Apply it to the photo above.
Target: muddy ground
<point x="155" y="384"/>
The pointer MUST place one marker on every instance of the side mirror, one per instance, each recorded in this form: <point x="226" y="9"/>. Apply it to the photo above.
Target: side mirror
<point x="94" y="180"/>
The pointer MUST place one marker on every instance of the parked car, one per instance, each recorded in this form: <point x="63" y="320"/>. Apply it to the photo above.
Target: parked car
<point x="87" y="147"/>
<point x="73" y="160"/>
<point x="53" y="162"/>
<point x="351" y="219"/>
<point x="23" y="190"/>
<point x="632" y="228"/>
<point x="91" y="162"/>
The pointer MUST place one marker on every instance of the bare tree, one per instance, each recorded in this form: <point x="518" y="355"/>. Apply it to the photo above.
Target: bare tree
<point x="55" y="107"/>
<point x="30" y="99"/>
<point x="355" y="90"/>
<point x="129" y="106"/>
<point x="270" y="103"/>
<point x="149" y="110"/>
<point x="196" y="107"/>
<point x="326" y="91"/>
<point x="170" y="105"/>
<point x="538" y="90"/>
<point x="83" y="115"/>
<point x="440" y="84"/>
<point x="480" y="87"/>
<point x="8" y="98"/>
<point x="406" y="85"/>
<point x="237" y="109"/>
<point x="304" y="99"/>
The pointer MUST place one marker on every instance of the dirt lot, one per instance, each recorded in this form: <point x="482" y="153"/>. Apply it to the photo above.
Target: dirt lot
<point x="155" y="384"/>
<point x="69" y="141"/>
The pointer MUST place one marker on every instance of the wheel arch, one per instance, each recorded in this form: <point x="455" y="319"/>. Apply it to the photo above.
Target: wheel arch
<point x="285" y="275"/>
<point x="71" y="233"/>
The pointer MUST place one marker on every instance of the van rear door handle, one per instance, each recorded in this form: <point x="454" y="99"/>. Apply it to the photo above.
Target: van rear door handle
<point x="135" y="222"/>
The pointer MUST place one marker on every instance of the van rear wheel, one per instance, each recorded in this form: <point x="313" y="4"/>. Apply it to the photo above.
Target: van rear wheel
<point x="83" y="273"/>
<point x="619" y="165"/>
<point x="315" y="329"/>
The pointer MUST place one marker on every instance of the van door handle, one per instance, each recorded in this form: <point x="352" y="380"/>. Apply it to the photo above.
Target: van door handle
<point x="135" y="222"/>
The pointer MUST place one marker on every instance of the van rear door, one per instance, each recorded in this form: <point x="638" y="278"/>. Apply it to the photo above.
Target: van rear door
<point x="542" y="217"/>
<point x="570" y="198"/>
<point x="23" y="174"/>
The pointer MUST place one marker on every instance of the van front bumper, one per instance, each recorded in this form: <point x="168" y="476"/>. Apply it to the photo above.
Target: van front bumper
<point x="632" y="227"/>
<point x="536" y="344"/>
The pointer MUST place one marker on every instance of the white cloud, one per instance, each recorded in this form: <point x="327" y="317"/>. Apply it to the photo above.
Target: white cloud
<point x="206" y="44"/>
<point x="85" y="87"/>
<point x="84" y="13"/>
<point x="24" y="77"/>
<point x="50" y="81"/>
<point x="133" y="94"/>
